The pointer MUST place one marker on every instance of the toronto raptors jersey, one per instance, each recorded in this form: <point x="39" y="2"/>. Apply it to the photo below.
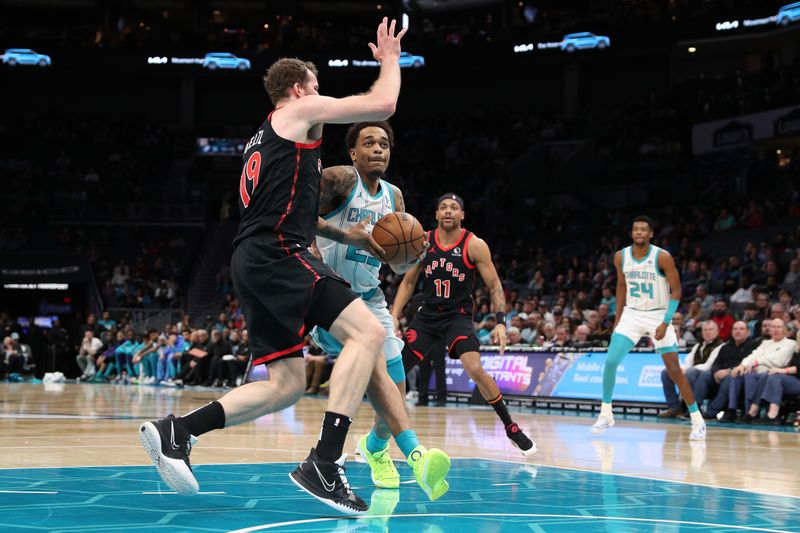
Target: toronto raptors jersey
<point x="279" y="190"/>
<point x="449" y="277"/>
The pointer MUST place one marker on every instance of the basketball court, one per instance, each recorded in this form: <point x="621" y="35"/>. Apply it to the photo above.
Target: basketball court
<point x="71" y="461"/>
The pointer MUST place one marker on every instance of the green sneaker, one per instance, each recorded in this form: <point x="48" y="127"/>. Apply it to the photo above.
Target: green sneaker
<point x="430" y="468"/>
<point x="384" y="473"/>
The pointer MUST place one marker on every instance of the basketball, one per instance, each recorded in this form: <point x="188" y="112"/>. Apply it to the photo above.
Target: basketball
<point x="401" y="236"/>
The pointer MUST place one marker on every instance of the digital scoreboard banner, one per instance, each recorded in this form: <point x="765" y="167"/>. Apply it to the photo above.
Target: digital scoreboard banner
<point x="576" y="375"/>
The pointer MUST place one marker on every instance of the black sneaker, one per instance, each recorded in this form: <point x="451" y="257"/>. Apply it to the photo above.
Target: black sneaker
<point x="520" y="439"/>
<point x="326" y="481"/>
<point x="766" y="420"/>
<point x="168" y="444"/>
<point x="728" y="416"/>
<point x="746" y="418"/>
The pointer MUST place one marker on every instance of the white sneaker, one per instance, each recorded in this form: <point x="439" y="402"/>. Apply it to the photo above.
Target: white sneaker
<point x="412" y="395"/>
<point x="698" y="431"/>
<point x="603" y="423"/>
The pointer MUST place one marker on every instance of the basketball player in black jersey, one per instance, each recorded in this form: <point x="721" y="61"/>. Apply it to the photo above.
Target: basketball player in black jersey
<point x="446" y="313"/>
<point x="285" y="291"/>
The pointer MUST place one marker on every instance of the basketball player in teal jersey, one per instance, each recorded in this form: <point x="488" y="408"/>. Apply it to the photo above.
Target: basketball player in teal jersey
<point x="648" y="293"/>
<point x="353" y="196"/>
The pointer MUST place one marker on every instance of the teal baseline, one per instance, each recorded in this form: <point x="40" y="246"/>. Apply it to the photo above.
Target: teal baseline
<point x="485" y="496"/>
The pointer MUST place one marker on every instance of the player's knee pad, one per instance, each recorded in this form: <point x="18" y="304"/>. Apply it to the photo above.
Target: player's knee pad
<point x="395" y="369"/>
<point x="618" y="349"/>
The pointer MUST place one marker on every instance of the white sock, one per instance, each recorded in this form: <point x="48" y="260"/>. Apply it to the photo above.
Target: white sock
<point x="605" y="409"/>
<point x="696" y="417"/>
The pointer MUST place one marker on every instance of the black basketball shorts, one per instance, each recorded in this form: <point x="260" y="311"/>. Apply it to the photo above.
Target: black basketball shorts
<point x="284" y="298"/>
<point x="426" y="332"/>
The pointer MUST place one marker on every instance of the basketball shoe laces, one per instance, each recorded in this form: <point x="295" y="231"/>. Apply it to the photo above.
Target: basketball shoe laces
<point x="342" y="475"/>
<point x="383" y="463"/>
<point x="185" y="447"/>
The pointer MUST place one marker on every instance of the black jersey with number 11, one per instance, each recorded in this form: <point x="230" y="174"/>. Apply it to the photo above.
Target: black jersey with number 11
<point x="279" y="190"/>
<point x="449" y="277"/>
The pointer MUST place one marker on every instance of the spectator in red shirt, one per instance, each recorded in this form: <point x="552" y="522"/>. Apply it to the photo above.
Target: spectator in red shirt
<point x="723" y="319"/>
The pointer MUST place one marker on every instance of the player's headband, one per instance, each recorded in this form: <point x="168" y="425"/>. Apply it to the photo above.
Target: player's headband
<point x="451" y="196"/>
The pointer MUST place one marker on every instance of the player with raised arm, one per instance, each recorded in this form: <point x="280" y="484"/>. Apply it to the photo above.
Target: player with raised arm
<point x="285" y="290"/>
<point x="648" y="294"/>
<point x="360" y="195"/>
<point x="447" y="309"/>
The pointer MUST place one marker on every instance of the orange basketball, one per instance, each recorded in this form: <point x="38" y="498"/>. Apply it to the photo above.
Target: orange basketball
<point x="401" y="236"/>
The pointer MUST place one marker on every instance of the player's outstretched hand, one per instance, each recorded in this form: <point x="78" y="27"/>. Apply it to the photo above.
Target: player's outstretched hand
<point x="388" y="47"/>
<point x="360" y="237"/>
<point x="661" y="331"/>
<point x="499" y="337"/>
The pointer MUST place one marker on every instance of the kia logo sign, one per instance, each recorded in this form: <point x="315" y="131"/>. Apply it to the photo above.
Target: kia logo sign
<point x="40" y="271"/>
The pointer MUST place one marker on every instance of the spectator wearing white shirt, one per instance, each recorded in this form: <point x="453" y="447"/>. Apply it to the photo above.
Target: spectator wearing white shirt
<point x="90" y="347"/>
<point x="744" y="294"/>
<point x="686" y="338"/>
<point x="752" y="372"/>
<point x="697" y="361"/>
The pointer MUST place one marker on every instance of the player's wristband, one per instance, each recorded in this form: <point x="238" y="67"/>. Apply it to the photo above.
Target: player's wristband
<point x="671" y="308"/>
<point x="500" y="317"/>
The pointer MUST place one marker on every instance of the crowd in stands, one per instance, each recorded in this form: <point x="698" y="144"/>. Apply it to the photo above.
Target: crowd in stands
<point x="552" y="303"/>
<point x="97" y="168"/>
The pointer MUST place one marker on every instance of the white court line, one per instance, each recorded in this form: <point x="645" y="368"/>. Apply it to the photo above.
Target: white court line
<point x="504" y="484"/>
<point x="28" y="492"/>
<point x="513" y="515"/>
<point x="172" y="492"/>
<point x="635" y="476"/>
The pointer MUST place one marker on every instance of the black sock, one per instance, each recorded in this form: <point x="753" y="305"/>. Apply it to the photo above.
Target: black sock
<point x="334" y="433"/>
<point x="501" y="410"/>
<point x="205" y="419"/>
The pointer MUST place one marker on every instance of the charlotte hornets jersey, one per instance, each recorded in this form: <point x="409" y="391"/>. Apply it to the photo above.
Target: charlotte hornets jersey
<point x="647" y="286"/>
<point x="354" y="264"/>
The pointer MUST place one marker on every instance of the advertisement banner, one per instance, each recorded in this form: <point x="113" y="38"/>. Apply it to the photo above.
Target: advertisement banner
<point x="638" y="378"/>
<point x="515" y="373"/>
<point x="563" y="375"/>
<point x="741" y="131"/>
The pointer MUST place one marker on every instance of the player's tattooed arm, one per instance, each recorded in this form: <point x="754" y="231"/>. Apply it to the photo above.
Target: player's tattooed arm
<point x="479" y="254"/>
<point x="335" y="187"/>
<point x="329" y="231"/>
<point x="357" y="236"/>
<point x="399" y="202"/>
